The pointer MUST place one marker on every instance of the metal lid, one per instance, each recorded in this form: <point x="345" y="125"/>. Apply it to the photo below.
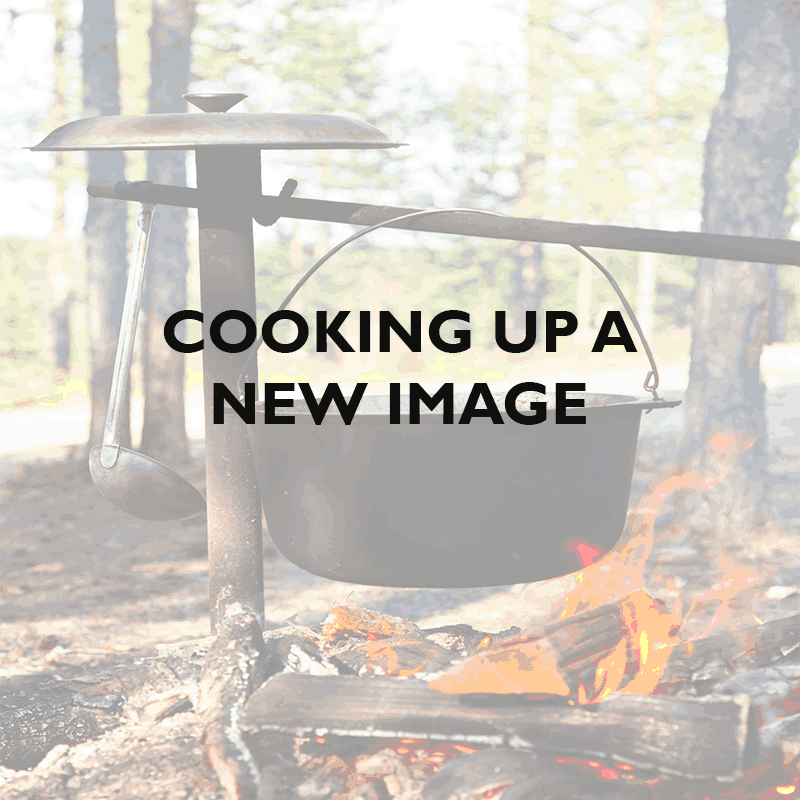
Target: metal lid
<point x="215" y="129"/>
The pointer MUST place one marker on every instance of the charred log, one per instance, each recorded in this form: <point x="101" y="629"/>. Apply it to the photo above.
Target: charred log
<point x="697" y="666"/>
<point x="464" y="639"/>
<point x="690" y="738"/>
<point x="39" y="712"/>
<point x="235" y="664"/>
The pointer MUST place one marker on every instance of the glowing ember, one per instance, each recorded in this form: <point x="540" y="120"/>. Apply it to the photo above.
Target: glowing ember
<point x="372" y="625"/>
<point x="530" y="664"/>
<point x="527" y="667"/>
<point x="587" y="553"/>
<point x="383" y="656"/>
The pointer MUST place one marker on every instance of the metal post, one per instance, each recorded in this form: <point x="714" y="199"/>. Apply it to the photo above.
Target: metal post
<point x="229" y="180"/>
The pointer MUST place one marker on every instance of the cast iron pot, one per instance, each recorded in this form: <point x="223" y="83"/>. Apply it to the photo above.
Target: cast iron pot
<point x="435" y="505"/>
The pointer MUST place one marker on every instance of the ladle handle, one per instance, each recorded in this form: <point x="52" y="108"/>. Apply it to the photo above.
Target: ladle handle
<point x="127" y="335"/>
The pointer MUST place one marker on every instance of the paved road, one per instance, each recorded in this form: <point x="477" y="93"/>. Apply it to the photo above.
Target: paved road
<point x="48" y="431"/>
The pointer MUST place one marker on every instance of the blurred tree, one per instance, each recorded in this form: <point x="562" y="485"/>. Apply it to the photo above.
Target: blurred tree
<point x="61" y="284"/>
<point x="751" y="144"/>
<point x="164" y="430"/>
<point x="105" y="231"/>
<point x="529" y="285"/>
<point x="327" y="58"/>
<point x="639" y="116"/>
<point x="648" y="278"/>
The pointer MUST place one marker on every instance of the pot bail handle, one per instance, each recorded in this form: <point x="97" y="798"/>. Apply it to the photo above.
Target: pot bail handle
<point x="651" y="382"/>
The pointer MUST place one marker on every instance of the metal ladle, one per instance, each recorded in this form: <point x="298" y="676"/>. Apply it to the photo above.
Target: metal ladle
<point x="133" y="482"/>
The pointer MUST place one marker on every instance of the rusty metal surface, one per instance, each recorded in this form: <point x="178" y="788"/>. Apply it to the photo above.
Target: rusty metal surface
<point x="196" y="130"/>
<point x="614" y="237"/>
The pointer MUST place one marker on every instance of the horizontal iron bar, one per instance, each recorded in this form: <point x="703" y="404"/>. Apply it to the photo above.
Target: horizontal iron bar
<point x="614" y="237"/>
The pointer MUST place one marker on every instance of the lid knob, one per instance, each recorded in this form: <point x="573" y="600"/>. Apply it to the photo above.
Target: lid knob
<point x="215" y="101"/>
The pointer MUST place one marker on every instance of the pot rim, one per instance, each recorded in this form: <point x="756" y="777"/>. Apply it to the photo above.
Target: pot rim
<point x="377" y="405"/>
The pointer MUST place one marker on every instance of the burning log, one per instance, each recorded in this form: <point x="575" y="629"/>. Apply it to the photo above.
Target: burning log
<point x="355" y="641"/>
<point x="697" y="665"/>
<point x="524" y="776"/>
<point x="398" y="656"/>
<point x="294" y="653"/>
<point x="344" y="621"/>
<point x="768" y="688"/>
<point x="781" y="731"/>
<point x="693" y="738"/>
<point x="586" y="656"/>
<point x="487" y="771"/>
<point x="465" y="640"/>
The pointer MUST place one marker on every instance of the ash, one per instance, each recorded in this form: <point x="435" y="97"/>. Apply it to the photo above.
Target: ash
<point x="104" y="628"/>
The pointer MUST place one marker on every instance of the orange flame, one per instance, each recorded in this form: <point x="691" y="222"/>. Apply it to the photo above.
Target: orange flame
<point x="636" y="662"/>
<point x="586" y="553"/>
<point x="621" y="572"/>
<point x="735" y="579"/>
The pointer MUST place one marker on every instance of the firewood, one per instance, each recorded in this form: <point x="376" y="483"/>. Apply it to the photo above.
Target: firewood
<point x="769" y="643"/>
<point x="779" y="733"/>
<point x="766" y="688"/>
<point x="485" y="771"/>
<point x="553" y="660"/>
<point x="465" y="640"/>
<point x="526" y="777"/>
<point x="398" y="656"/>
<point x="234" y="665"/>
<point x="298" y="654"/>
<point x="693" y="738"/>
<point x="343" y="620"/>
<point x="37" y="713"/>
<point x="707" y="661"/>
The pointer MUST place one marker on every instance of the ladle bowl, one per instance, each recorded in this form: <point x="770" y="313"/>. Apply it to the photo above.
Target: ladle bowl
<point x="145" y="488"/>
<point x="134" y="482"/>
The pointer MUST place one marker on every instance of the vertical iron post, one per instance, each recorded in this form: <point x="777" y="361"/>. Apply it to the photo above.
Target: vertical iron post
<point x="229" y="181"/>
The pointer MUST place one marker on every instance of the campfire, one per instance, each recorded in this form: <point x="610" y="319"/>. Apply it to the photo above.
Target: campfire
<point x="647" y="678"/>
<point x="618" y="692"/>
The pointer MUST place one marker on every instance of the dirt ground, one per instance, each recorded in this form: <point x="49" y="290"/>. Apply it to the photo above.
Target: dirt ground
<point x="84" y="589"/>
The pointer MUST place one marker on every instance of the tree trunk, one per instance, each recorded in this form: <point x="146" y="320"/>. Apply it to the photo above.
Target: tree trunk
<point x="164" y="431"/>
<point x="528" y="281"/>
<point x="648" y="262"/>
<point x="752" y="141"/>
<point x="105" y="231"/>
<point x="60" y="281"/>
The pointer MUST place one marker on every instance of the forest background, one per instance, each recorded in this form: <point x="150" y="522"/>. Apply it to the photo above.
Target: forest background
<point x="572" y="110"/>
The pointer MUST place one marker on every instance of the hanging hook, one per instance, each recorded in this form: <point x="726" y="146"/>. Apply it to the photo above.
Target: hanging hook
<point x="272" y="214"/>
<point x="652" y="380"/>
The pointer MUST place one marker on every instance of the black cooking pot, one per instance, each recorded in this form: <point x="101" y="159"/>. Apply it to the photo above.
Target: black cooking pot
<point x="447" y="505"/>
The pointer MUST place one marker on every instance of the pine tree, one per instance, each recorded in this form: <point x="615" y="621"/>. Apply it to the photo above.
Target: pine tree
<point x="752" y="141"/>
<point x="164" y="429"/>
<point x="105" y="231"/>
<point x="61" y="283"/>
